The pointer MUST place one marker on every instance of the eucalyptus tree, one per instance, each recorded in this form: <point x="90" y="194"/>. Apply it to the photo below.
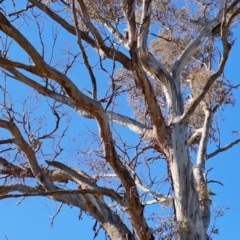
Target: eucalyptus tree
<point x="155" y="68"/>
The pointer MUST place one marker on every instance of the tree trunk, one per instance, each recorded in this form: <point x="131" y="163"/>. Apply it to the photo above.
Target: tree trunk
<point x="186" y="203"/>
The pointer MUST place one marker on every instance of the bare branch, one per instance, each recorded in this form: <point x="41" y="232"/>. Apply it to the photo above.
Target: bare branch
<point x="120" y="119"/>
<point x="85" y="58"/>
<point x="82" y="178"/>
<point x="214" y="181"/>
<point x="150" y="202"/>
<point x="11" y="31"/>
<point x="109" y="52"/>
<point x="130" y="123"/>
<point x="6" y="141"/>
<point x="219" y="150"/>
<point x="62" y="22"/>
<point x="9" y="63"/>
<point x="23" y="145"/>
<point x="29" y="6"/>
<point x="165" y="200"/>
<point x="160" y="198"/>
<point x="54" y="216"/>
<point x="16" y="188"/>
<point x="89" y="24"/>
<point x="26" y="172"/>
<point x="83" y="198"/>
<point x="50" y="193"/>
<point x="100" y="45"/>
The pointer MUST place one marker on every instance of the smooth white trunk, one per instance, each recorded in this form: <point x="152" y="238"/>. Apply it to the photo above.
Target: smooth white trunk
<point x="186" y="203"/>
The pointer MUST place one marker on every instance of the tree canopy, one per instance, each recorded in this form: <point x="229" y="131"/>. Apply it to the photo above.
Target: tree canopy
<point x="109" y="106"/>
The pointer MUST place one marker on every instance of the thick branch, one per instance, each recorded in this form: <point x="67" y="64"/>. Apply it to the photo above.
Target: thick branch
<point x="63" y="174"/>
<point x="201" y="156"/>
<point x="199" y="169"/>
<point x="86" y="199"/>
<point x="109" y="220"/>
<point x="155" y="69"/>
<point x="130" y="123"/>
<point x="27" y="192"/>
<point x="81" y="178"/>
<point x="86" y="18"/>
<point x="120" y="119"/>
<point x="109" y="52"/>
<point x="141" y="79"/>
<point x="197" y="133"/>
<point x="26" y="172"/>
<point x="6" y="62"/>
<point x="16" y="188"/>
<point x="191" y="48"/>
<point x="195" y="102"/>
<point x="6" y="141"/>
<point x="12" y="32"/>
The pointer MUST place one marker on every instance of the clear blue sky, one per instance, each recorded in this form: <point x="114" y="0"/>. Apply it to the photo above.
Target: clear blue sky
<point x="31" y="219"/>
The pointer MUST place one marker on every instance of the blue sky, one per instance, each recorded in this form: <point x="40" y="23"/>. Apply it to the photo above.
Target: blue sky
<point x="31" y="218"/>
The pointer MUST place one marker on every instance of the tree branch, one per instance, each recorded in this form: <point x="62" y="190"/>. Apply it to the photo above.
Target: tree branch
<point x="81" y="100"/>
<point x="9" y="63"/>
<point x="165" y="200"/>
<point x="201" y="156"/>
<point x="129" y="13"/>
<point x="25" y="172"/>
<point x="85" y="58"/>
<point x="130" y="123"/>
<point x="45" y="70"/>
<point x="86" y="199"/>
<point x="68" y="27"/>
<point x="219" y="150"/>
<point x="16" y="188"/>
<point x="49" y="193"/>
<point x="197" y="133"/>
<point x="191" y="48"/>
<point x="141" y="80"/>
<point x="109" y="52"/>
<point x="155" y="69"/>
<point x="120" y="119"/>
<point x="195" y="102"/>
<point x="32" y="161"/>
<point x="6" y="141"/>
<point x="12" y="32"/>
<point x="160" y="198"/>
<point x="199" y="169"/>
<point x="87" y="182"/>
